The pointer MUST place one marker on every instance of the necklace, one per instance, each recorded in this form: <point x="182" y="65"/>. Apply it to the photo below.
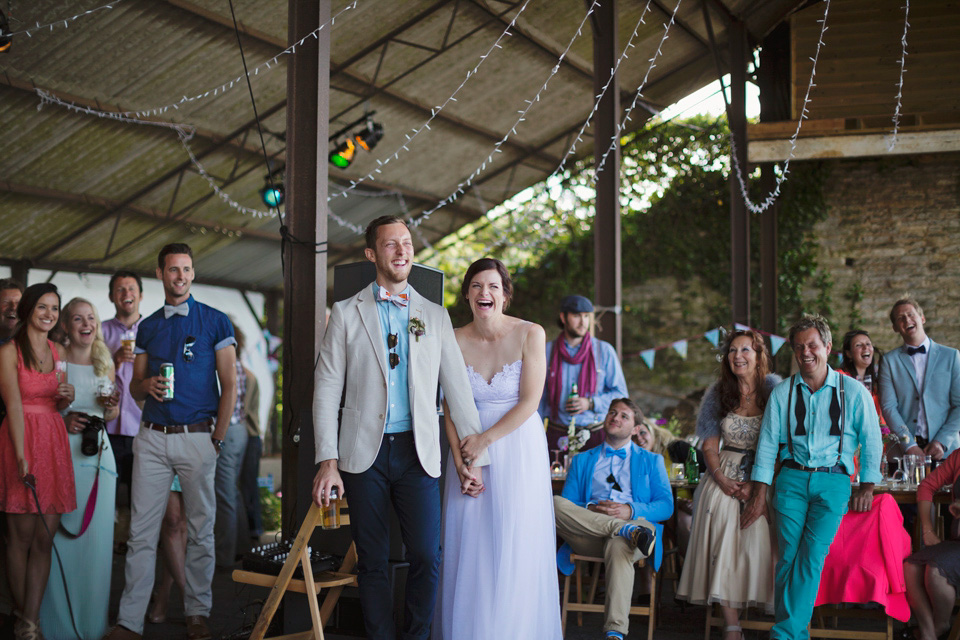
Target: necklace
<point x="748" y="396"/>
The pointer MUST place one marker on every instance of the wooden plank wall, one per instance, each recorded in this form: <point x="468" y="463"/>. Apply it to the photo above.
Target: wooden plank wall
<point x="859" y="65"/>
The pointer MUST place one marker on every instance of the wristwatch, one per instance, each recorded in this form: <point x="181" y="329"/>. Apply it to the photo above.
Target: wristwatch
<point x="218" y="444"/>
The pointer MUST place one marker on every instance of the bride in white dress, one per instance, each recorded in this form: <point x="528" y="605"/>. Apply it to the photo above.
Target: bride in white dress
<point x="498" y="577"/>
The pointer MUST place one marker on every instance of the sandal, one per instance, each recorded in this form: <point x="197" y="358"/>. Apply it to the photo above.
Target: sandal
<point x="733" y="628"/>
<point x="24" y="629"/>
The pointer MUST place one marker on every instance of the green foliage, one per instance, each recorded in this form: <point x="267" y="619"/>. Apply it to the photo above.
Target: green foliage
<point x="270" y="510"/>
<point x="855" y="295"/>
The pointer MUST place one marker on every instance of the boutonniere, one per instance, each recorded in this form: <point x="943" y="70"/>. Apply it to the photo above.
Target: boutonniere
<point x="417" y="328"/>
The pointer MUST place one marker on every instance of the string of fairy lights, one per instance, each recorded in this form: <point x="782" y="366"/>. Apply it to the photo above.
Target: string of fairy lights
<point x="185" y="132"/>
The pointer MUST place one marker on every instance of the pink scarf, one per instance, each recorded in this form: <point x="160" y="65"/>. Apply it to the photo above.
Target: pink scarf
<point x="587" y="382"/>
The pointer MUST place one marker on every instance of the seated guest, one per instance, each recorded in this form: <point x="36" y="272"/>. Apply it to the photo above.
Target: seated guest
<point x="85" y="545"/>
<point x="920" y="386"/>
<point x="729" y="566"/>
<point x="577" y="359"/>
<point x="615" y="497"/>
<point x="933" y="573"/>
<point x="660" y="441"/>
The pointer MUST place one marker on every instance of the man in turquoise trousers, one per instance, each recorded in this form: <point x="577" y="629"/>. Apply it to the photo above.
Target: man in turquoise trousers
<point x="814" y="422"/>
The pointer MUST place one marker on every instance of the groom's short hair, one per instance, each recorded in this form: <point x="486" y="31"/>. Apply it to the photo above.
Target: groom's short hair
<point x="638" y="416"/>
<point x="371" y="232"/>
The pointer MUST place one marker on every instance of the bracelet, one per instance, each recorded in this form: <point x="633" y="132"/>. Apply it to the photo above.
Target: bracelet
<point x="928" y="531"/>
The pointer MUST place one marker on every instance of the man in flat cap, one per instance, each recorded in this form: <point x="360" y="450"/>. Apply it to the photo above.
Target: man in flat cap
<point x="578" y="359"/>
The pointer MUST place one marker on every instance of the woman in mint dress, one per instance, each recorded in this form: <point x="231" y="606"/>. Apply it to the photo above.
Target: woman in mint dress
<point x="86" y="552"/>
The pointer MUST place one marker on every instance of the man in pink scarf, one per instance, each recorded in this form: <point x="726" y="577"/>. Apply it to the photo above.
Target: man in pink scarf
<point x="576" y="357"/>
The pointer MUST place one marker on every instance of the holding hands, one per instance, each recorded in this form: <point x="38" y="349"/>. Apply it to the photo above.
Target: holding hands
<point x="472" y="447"/>
<point x="471" y="480"/>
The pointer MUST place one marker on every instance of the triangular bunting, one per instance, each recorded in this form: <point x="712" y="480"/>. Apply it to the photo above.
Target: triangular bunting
<point x="740" y="327"/>
<point x="775" y="343"/>
<point x="680" y="346"/>
<point x="713" y="337"/>
<point x="648" y="356"/>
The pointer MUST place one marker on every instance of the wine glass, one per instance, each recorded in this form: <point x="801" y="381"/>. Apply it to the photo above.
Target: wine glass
<point x="105" y="391"/>
<point x="556" y="469"/>
<point x="61" y="371"/>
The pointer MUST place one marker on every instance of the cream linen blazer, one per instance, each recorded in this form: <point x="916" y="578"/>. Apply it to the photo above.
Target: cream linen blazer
<point x="353" y="366"/>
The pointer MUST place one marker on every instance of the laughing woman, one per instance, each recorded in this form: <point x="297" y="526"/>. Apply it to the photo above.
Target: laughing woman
<point x="85" y="545"/>
<point x="36" y="473"/>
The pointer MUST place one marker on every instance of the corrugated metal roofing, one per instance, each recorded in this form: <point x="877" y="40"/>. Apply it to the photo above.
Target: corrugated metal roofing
<point x="88" y="193"/>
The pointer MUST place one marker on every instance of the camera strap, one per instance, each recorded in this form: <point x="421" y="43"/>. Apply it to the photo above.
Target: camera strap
<point x="91" y="499"/>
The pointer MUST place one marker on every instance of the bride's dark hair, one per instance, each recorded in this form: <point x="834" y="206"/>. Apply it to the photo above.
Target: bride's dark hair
<point x="488" y="264"/>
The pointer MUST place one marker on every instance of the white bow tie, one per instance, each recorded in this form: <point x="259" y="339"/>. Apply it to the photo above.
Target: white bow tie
<point x="175" y="310"/>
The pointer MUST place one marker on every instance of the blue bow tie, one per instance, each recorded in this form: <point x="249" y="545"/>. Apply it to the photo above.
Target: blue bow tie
<point x="618" y="453"/>
<point x="175" y="310"/>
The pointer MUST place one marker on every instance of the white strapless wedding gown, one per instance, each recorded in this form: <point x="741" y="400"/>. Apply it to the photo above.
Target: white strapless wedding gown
<point x="498" y="578"/>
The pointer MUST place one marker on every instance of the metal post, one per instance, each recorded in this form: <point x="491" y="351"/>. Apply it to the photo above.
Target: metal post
<point x="19" y="271"/>
<point x="739" y="219"/>
<point x="606" y="227"/>
<point x="305" y="270"/>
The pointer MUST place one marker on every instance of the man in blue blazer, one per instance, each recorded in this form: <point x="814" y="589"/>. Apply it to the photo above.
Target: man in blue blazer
<point x="615" y="497"/>
<point x="920" y="386"/>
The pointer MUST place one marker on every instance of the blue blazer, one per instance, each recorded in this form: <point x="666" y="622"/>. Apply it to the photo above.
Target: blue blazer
<point x="652" y="496"/>
<point x="900" y="397"/>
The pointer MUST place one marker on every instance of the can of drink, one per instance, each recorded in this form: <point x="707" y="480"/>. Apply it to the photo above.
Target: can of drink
<point x="166" y="371"/>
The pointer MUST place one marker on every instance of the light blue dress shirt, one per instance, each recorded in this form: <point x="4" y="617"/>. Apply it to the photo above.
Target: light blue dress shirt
<point x="394" y="319"/>
<point x="817" y="448"/>
<point x="610" y="383"/>
<point x="619" y="467"/>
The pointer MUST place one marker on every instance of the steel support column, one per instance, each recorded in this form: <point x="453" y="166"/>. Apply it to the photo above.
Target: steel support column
<point x="739" y="218"/>
<point x="19" y="271"/>
<point x="305" y="270"/>
<point x="606" y="226"/>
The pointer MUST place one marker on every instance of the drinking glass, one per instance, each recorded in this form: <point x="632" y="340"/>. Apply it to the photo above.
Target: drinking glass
<point x="61" y="371"/>
<point x="677" y="473"/>
<point x="105" y="390"/>
<point x="897" y="476"/>
<point x="910" y="471"/>
<point x="556" y="469"/>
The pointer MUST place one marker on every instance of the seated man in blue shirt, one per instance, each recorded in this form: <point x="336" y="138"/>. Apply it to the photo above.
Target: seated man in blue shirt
<point x="815" y="419"/>
<point x="185" y="418"/>
<point x="615" y="497"/>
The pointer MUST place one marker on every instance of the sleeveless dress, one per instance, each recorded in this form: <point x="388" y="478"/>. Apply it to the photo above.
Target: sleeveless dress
<point x="87" y="560"/>
<point x="498" y="578"/>
<point x="724" y="564"/>
<point x="45" y="446"/>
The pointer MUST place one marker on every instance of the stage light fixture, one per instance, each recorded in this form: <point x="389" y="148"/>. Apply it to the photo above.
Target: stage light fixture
<point x="272" y="192"/>
<point x="5" y="41"/>
<point x="342" y="156"/>
<point x="370" y="136"/>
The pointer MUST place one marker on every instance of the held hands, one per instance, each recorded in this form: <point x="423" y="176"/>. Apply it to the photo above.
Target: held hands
<point x="729" y="486"/>
<point x="75" y="422"/>
<point x="155" y="386"/>
<point x="472" y="447"/>
<point x="471" y="480"/>
<point x="755" y="509"/>
<point x="328" y="476"/>
<point x="862" y="499"/>
<point x="577" y="405"/>
<point x="611" y="508"/>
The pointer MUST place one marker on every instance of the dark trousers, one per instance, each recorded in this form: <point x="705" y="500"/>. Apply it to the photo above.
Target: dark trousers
<point x="395" y="477"/>
<point x="248" y="485"/>
<point x="123" y="455"/>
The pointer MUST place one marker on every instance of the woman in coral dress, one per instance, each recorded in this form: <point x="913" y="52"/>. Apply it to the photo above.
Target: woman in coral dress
<point x="34" y="452"/>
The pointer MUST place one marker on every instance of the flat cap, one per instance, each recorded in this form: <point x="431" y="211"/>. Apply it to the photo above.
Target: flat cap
<point x="575" y="304"/>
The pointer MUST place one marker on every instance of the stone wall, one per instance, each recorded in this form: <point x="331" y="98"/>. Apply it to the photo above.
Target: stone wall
<point x="893" y="227"/>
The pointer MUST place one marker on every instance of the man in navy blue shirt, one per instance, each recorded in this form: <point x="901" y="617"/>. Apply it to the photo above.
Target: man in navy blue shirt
<point x="181" y="436"/>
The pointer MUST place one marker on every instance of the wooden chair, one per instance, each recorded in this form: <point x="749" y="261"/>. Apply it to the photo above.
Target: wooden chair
<point x="589" y="605"/>
<point x="334" y="581"/>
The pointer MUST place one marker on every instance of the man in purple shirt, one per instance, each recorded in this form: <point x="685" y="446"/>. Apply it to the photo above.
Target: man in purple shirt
<point x="126" y="293"/>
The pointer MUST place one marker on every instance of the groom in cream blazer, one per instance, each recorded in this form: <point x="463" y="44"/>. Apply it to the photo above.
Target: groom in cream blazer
<point x="920" y="386"/>
<point x="377" y="429"/>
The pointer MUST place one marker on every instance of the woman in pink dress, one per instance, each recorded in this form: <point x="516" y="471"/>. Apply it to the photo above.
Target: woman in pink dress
<point x="34" y="452"/>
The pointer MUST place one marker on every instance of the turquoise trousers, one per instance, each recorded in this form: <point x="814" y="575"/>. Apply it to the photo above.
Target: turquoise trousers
<point x="809" y="509"/>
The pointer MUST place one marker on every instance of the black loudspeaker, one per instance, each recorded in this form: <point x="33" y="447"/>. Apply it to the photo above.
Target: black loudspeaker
<point x="348" y="279"/>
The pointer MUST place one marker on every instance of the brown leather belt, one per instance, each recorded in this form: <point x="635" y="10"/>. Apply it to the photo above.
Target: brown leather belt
<point x="197" y="427"/>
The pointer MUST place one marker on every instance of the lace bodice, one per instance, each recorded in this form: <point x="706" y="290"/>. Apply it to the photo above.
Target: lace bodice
<point x="739" y="431"/>
<point x="503" y="387"/>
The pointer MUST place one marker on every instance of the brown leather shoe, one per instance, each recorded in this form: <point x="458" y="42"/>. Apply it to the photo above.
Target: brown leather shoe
<point x="122" y="633"/>
<point x="197" y="628"/>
